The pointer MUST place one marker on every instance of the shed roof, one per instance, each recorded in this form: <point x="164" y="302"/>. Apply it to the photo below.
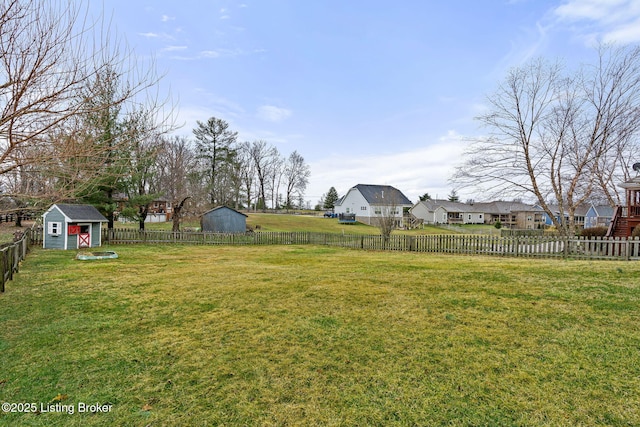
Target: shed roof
<point x="77" y="213"/>
<point x="224" y="207"/>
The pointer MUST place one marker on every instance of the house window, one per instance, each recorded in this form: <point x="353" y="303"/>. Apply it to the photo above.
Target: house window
<point x="54" y="228"/>
<point x="469" y="217"/>
<point x="363" y="208"/>
<point x="347" y="210"/>
<point x="378" y="211"/>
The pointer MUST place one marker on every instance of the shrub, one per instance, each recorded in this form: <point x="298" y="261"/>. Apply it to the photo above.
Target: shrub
<point x="498" y="225"/>
<point x="599" y="231"/>
<point x="636" y="232"/>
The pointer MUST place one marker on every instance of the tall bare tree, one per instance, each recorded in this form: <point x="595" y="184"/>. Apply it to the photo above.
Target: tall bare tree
<point x="51" y="58"/>
<point x="263" y="156"/>
<point x="296" y="173"/>
<point x="247" y="172"/>
<point x="551" y="133"/>
<point x="177" y="176"/>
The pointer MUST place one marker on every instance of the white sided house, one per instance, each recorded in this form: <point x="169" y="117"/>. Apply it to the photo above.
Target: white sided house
<point x="72" y="227"/>
<point x="370" y="202"/>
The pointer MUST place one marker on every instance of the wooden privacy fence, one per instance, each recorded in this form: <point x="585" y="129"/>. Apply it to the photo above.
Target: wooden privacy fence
<point x="12" y="253"/>
<point x="518" y="246"/>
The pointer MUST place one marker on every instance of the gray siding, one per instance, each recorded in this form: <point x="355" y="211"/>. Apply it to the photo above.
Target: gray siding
<point x="58" y="242"/>
<point x="224" y="220"/>
<point x="54" y="242"/>
<point x="95" y="234"/>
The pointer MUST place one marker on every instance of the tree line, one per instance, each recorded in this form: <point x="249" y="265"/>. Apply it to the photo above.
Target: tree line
<point x="83" y="121"/>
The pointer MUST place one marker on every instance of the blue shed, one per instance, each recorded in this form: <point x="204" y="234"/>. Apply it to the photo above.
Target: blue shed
<point x="224" y="220"/>
<point x="72" y="227"/>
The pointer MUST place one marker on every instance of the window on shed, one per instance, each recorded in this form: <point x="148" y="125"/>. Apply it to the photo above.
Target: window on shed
<point x="54" y="228"/>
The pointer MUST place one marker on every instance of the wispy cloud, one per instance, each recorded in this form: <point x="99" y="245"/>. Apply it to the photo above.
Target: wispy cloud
<point x="608" y="21"/>
<point x="149" y="35"/>
<point x="272" y="113"/>
<point x="167" y="18"/>
<point x="174" y="48"/>
<point x="414" y="172"/>
<point x="152" y="35"/>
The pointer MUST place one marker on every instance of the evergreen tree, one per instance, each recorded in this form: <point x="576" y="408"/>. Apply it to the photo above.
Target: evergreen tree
<point x="215" y="144"/>
<point x="331" y="198"/>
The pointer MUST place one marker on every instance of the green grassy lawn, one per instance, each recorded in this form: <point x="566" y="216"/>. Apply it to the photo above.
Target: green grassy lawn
<point x="291" y="335"/>
<point x="290" y="222"/>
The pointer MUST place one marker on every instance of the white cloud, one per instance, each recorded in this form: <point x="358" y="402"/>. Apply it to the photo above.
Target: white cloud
<point x="210" y="54"/>
<point x="414" y="172"/>
<point x="149" y="35"/>
<point x="174" y="48"/>
<point x="629" y="33"/>
<point x="272" y="113"/>
<point x="167" y="18"/>
<point x="606" y="20"/>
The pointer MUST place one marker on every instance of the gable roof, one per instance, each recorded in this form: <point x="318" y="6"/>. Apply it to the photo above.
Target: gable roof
<point x="449" y="206"/>
<point x="502" y="207"/>
<point x="382" y="195"/>
<point x="223" y="207"/>
<point x="603" y="210"/>
<point x="78" y="213"/>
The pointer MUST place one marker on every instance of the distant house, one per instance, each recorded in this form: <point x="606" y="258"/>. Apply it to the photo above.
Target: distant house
<point x="434" y="211"/>
<point x="223" y="220"/>
<point x="598" y="216"/>
<point x="579" y="215"/>
<point x="159" y="211"/>
<point x="72" y="227"/>
<point x="371" y="202"/>
<point x="511" y="214"/>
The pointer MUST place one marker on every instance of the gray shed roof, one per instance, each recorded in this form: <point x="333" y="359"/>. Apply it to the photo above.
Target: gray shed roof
<point x="382" y="195"/>
<point x="81" y="213"/>
<point x="224" y="208"/>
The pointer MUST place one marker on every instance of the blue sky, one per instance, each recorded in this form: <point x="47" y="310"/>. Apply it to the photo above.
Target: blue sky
<point x="367" y="91"/>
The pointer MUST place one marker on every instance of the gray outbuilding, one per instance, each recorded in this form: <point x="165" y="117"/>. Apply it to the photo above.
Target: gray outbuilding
<point x="72" y="227"/>
<point x="224" y="220"/>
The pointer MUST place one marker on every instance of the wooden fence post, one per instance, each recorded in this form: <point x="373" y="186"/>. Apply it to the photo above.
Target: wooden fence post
<point x="2" y="269"/>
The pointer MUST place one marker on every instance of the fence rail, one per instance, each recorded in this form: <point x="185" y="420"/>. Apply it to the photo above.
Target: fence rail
<point x="11" y="254"/>
<point x="518" y="246"/>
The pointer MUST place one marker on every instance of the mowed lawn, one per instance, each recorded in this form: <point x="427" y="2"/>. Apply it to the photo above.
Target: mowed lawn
<point x="304" y="335"/>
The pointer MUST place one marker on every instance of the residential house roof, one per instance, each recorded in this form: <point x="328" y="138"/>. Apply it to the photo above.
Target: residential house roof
<point x="580" y="210"/>
<point x="603" y="211"/>
<point x="449" y="206"/>
<point x="502" y="207"/>
<point x="382" y="195"/>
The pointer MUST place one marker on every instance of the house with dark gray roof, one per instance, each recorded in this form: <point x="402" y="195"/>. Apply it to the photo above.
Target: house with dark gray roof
<point x="371" y="202"/>
<point x="72" y="227"/>
<point x="436" y="211"/>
